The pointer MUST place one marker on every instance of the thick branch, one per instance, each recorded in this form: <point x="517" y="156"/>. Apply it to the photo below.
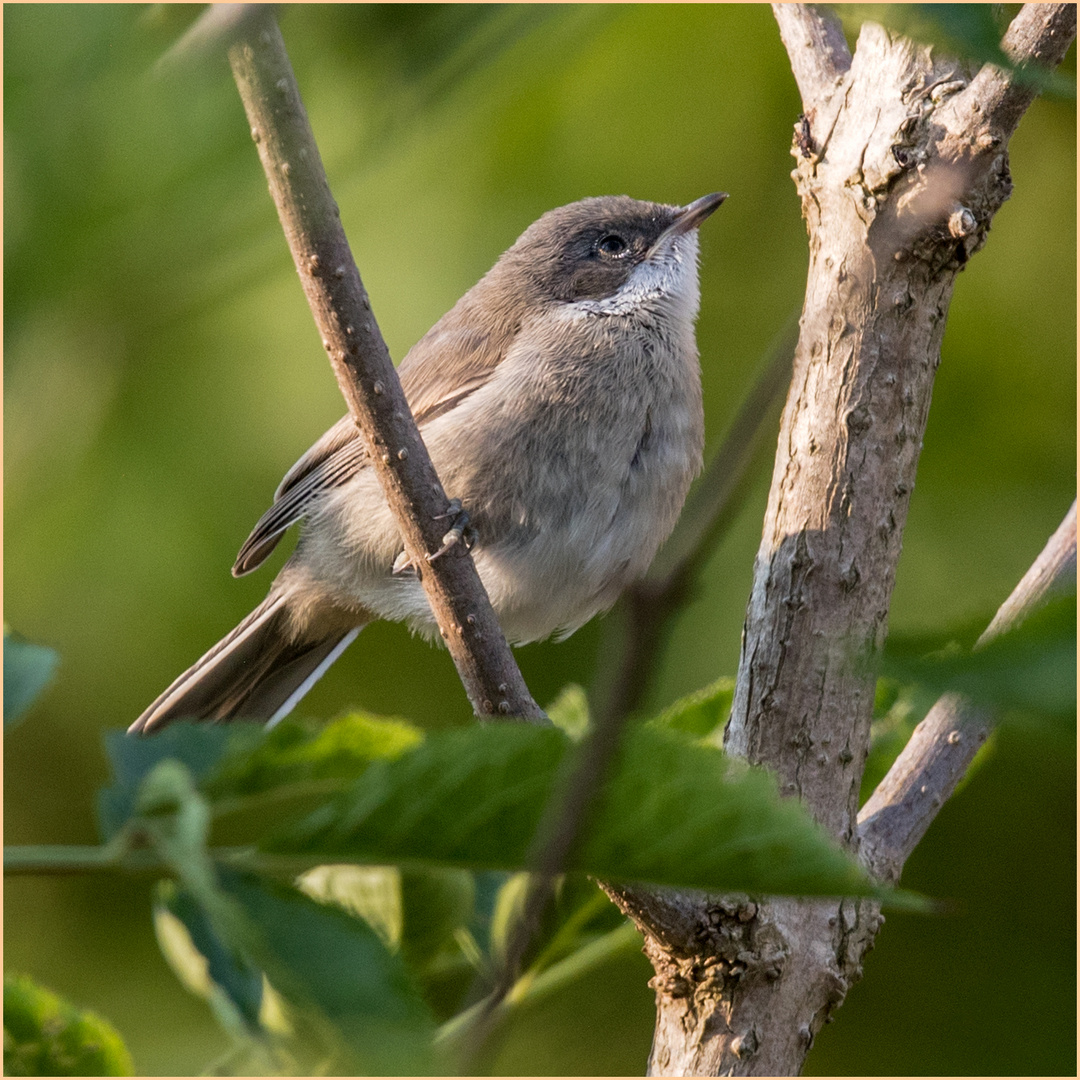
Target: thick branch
<point x="364" y="371"/>
<point x="815" y="44"/>
<point x="898" y="190"/>
<point x="898" y="813"/>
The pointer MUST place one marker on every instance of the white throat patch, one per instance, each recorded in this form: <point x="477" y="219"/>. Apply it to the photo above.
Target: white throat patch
<point x="668" y="275"/>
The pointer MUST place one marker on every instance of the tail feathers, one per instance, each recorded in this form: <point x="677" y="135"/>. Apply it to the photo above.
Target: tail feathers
<point x="259" y="671"/>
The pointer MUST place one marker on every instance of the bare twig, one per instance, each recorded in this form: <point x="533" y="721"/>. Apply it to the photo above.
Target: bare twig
<point x="815" y="44"/>
<point x="648" y="606"/>
<point x="896" y="816"/>
<point x="557" y="835"/>
<point x="363" y="368"/>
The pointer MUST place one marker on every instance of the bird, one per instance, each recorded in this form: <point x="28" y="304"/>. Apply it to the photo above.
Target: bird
<point x="560" y="400"/>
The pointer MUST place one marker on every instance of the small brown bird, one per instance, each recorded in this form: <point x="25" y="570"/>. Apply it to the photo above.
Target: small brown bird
<point x="560" y="400"/>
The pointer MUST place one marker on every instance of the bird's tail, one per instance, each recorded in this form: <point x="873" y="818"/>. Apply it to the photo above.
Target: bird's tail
<point x="260" y="671"/>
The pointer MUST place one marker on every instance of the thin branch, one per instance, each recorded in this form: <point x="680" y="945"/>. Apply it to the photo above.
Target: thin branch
<point x="816" y="46"/>
<point x="896" y="816"/>
<point x="561" y="828"/>
<point x="362" y="365"/>
<point x="1039" y="36"/>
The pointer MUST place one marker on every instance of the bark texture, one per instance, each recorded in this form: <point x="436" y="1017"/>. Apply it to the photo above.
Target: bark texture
<point x="901" y="165"/>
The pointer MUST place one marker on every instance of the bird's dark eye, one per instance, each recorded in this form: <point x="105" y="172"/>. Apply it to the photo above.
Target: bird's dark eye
<point x="611" y="244"/>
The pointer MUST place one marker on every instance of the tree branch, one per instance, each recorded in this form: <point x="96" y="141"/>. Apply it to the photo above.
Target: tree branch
<point x="362" y="364"/>
<point x="1039" y="37"/>
<point x="896" y="816"/>
<point x="816" y="46"/>
<point x="898" y="190"/>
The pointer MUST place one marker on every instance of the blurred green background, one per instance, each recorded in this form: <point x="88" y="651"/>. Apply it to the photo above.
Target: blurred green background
<point x="161" y="371"/>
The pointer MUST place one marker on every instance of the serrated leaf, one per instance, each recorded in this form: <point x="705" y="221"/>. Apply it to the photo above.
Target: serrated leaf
<point x="703" y="712"/>
<point x="322" y="959"/>
<point x="687" y="815"/>
<point x="674" y="813"/>
<point x="46" y="1036"/>
<point x="469" y="797"/>
<point x="28" y="669"/>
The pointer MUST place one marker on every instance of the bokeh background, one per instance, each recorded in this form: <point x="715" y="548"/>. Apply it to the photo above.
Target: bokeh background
<point x="161" y="371"/>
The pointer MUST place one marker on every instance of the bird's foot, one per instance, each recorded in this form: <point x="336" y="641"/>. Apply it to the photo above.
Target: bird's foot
<point x="461" y="532"/>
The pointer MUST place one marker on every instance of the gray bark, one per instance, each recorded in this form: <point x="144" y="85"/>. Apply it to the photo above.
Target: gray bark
<point x="901" y="164"/>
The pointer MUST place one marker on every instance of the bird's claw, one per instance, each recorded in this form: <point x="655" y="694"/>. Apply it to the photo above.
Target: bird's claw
<point x="402" y="565"/>
<point x="461" y="532"/>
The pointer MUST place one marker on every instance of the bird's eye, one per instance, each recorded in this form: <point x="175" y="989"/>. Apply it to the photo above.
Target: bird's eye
<point x="611" y="244"/>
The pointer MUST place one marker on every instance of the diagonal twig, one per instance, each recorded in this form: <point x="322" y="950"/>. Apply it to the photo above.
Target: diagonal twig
<point x="648" y="606"/>
<point x="896" y="816"/>
<point x="359" y="356"/>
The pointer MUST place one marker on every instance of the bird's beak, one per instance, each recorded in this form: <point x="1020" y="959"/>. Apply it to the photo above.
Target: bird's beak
<point x="691" y="216"/>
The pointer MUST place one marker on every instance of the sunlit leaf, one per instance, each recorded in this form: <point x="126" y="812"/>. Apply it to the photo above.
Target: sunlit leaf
<point x="296" y="751"/>
<point x="570" y="711"/>
<point x="703" y="712"/>
<point x="674" y="813"/>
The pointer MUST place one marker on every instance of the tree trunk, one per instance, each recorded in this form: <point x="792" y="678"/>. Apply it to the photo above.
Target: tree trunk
<point x="902" y="164"/>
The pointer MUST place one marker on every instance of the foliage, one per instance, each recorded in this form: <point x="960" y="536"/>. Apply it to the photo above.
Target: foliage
<point x="161" y="374"/>
<point x="361" y="960"/>
<point x="46" y="1036"/>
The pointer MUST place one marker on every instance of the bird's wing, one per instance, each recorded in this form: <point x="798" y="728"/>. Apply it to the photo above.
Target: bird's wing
<point x="317" y="472"/>
<point x="440" y="372"/>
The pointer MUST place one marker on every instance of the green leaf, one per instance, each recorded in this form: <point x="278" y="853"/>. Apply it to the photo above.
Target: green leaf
<point x="372" y="893"/>
<point x="436" y="902"/>
<point x="971" y="32"/>
<point x="675" y="813"/>
<point x="298" y="752"/>
<point x="702" y="713"/>
<point x="468" y="797"/>
<point x="321" y="959"/>
<point x="1031" y="668"/>
<point x="28" y="669"/>
<point x="46" y="1036"/>
<point x="221" y="967"/>
<point x="198" y="746"/>
<point x="687" y="815"/>
<point x="570" y="711"/>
